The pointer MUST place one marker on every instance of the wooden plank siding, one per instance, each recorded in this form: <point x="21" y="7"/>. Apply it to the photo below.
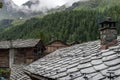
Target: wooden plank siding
<point x="4" y="58"/>
<point x="21" y="52"/>
<point x="25" y="55"/>
<point x="53" y="46"/>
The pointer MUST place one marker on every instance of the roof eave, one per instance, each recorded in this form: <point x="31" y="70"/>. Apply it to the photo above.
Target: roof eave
<point x="39" y="77"/>
<point x="108" y="22"/>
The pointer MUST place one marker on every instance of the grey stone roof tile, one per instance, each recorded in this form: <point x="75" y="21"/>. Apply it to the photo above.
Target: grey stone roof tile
<point x="20" y="43"/>
<point x="111" y="57"/>
<point x="88" y="70"/>
<point x="100" y="67"/>
<point x="117" y="72"/>
<point x="96" y="62"/>
<point x="74" y="62"/>
<point x="59" y="75"/>
<point x="18" y="74"/>
<point x="112" y="62"/>
<point x="79" y="78"/>
<point x="108" y="53"/>
<point x="62" y="70"/>
<point x="116" y="67"/>
<point x="85" y="65"/>
<point x="72" y="70"/>
<point x="118" y="78"/>
<point x="65" y="78"/>
<point x="98" y="77"/>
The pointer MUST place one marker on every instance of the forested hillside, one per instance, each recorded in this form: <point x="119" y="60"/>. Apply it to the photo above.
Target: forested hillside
<point x="76" y="24"/>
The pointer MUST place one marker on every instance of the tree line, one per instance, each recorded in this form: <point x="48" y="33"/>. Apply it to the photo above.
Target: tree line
<point x="73" y="25"/>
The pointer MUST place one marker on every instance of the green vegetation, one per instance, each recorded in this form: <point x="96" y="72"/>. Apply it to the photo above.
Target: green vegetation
<point x="5" y="72"/>
<point x="1" y="4"/>
<point x="80" y="23"/>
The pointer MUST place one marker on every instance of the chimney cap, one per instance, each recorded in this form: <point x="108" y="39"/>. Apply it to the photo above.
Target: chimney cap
<point x="108" y="20"/>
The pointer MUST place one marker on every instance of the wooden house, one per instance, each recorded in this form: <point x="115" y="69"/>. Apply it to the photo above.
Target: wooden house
<point x="54" y="45"/>
<point x="20" y="51"/>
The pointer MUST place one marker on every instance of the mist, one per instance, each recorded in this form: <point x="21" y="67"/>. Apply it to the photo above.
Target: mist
<point x="45" y="5"/>
<point x="31" y="7"/>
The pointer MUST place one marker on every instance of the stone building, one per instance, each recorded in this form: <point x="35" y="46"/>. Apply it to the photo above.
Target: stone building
<point x="108" y="33"/>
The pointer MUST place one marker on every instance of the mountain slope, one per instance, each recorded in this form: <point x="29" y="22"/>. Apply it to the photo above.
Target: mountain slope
<point x="5" y="23"/>
<point x="11" y="10"/>
<point x="93" y="4"/>
<point x="76" y="24"/>
<point x="30" y="8"/>
<point x="30" y="3"/>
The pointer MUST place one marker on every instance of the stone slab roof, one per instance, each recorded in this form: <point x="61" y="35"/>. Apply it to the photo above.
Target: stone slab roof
<point x="18" y="74"/>
<point x="79" y="62"/>
<point x="20" y="43"/>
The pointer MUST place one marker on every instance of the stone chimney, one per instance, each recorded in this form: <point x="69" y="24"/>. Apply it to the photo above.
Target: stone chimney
<point x="108" y="33"/>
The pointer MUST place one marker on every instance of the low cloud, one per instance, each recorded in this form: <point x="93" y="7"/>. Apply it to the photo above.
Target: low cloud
<point x="45" y="5"/>
<point x="35" y="6"/>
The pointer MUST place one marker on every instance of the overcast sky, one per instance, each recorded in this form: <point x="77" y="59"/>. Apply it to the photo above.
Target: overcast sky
<point x="45" y="5"/>
<point x="19" y="2"/>
<point x="59" y="2"/>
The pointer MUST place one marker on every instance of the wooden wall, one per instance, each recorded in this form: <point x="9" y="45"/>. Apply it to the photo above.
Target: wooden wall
<point x="24" y="55"/>
<point x="54" y="46"/>
<point x="4" y="58"/>
<point x="21" y="55"/>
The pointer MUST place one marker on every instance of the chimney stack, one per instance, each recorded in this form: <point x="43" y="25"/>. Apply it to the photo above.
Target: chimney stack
<point x="108" y="33"/>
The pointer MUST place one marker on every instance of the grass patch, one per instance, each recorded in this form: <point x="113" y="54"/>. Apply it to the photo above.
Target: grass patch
<point x="5" y="72"/>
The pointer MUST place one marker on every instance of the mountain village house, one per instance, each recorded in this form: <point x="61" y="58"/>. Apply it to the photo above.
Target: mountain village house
<point x="54" y="45"/>
<point x="20" y="51"/>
